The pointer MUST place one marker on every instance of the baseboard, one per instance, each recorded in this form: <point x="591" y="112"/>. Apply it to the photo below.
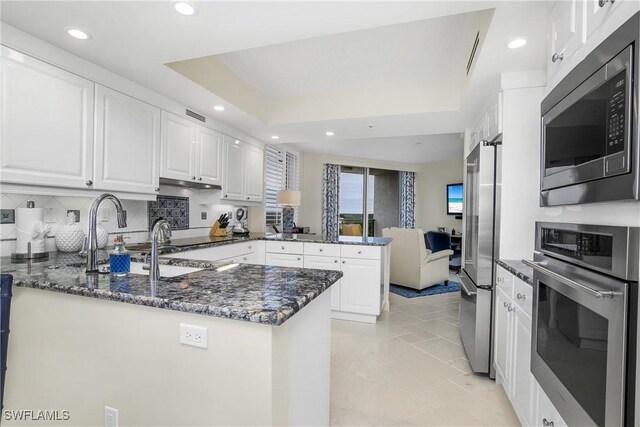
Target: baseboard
<point x="355" y="317"/>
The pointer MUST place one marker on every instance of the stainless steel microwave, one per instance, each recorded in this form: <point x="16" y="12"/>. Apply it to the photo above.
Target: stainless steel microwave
<point x="589" y="140"/>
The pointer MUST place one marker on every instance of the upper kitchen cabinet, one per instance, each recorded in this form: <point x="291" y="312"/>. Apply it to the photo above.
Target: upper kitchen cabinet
<point x="208" y="157"/>
<point x="190" y="152"/>
<point x="127" y="143"/>
<point x="566" y="35"/>
<point x="253" y="173"/>
<point x="244" y="166"/>
<point x="47" y="124"/>
<point x="178" y="148"/>
<point x="598" y="12"/>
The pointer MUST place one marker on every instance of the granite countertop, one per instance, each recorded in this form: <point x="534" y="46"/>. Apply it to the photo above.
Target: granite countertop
<point x="518" y="269"/>
<point x="253" y="293"/>
<point x="187" y="244"/>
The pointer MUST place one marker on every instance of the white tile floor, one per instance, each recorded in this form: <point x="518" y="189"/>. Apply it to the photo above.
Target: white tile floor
<point x="410" y="369"/>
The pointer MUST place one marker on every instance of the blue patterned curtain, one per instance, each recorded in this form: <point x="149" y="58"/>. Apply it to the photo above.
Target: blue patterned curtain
<point x="407" y="199"/>
<point x="330" y="200"/>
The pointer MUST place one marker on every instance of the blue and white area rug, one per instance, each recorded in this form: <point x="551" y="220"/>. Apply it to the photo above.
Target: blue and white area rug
<point x="432" y="290"/>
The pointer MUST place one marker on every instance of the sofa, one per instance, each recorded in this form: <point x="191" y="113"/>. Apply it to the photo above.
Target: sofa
<point x="412" y="264"/>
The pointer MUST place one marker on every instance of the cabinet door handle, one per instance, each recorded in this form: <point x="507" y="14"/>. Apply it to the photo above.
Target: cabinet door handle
<point x="557" y="57"/>
<point x="359" y="252"/>
<point x="299" y="258"/>
<point x="511" y="308"/>
<point x="500" y="279"/>
<point x="344" y="262"/>
<point x="200" y="179"/>
<point x="335" y="261"/>
<point x="521" y="296"/>
<point x="249" y="247"/>
<point x="193" y="178"/>
<point x="157" y="189"/>
<point x="601" y="3"/>
<point x="282" y="247"/>
<point x="320" y="249"/>
<point x="88" y="183"/>
<point x="547" y="423"/>
<point x="244" y="258"/>
<point x="226" y="195"/>
<point x="247" y="198"/>
<point x="505" y="304"/>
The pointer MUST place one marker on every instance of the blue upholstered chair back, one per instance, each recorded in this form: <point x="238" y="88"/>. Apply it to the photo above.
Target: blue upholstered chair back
<point x="6" y="281"/>
<point x="438" y="241"/>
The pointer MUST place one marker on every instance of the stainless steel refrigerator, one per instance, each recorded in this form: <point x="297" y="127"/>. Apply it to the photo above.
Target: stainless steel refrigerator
<point x="480" y="250"/>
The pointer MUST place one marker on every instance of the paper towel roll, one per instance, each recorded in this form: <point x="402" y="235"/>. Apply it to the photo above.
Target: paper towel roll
<point x="26" y="221"/>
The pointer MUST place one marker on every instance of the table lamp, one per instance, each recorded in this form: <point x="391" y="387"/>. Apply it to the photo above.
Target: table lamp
<point x="288" y="199"/>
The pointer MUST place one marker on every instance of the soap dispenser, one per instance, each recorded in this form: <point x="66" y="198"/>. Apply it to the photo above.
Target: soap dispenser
<point x="119" y="258"/>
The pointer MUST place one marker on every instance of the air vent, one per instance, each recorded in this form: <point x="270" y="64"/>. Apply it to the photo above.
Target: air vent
<point x="473" y="52"/>
<point x="196" y="116"/>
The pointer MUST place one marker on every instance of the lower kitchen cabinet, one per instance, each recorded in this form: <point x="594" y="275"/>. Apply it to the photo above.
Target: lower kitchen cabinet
<point x="360" y="287"/>
<point x="284" y="260"/>
<point x="326" y="263"/>
<point x="512" y="344"/>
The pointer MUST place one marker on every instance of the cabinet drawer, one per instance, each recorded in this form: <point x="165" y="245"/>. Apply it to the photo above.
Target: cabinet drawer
<point x="209" y="254"/>
<point x="248" y="247"/>
<point x="322" y="249"/>
<point x="357" y="251"/>
<point x="504" y="281"/>
<point x="285" y="260"/>
<point x="523" y="294"/>
<point x="285" y="247"/>
<point x="322" y="262"/>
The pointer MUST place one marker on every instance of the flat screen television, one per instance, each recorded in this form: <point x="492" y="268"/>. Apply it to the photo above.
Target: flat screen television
<point x="454" y="199"/>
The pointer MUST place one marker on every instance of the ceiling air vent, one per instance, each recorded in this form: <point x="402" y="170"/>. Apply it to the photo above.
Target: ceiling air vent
<point x="473" y="52"/>
<point x="196" y="116"/>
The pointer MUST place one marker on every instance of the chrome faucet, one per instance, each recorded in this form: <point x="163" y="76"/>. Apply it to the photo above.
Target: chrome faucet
<point x="161" y="225"/>
<point x="92" y="238"/>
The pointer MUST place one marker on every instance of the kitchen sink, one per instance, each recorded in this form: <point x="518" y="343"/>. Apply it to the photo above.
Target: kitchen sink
<point x="165" y="270"/>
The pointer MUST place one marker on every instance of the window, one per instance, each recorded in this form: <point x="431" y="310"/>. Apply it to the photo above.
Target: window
<point x="282" y="172"/>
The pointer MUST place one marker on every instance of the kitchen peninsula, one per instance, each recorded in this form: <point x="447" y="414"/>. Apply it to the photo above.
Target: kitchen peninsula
<point x="95" y="341"/>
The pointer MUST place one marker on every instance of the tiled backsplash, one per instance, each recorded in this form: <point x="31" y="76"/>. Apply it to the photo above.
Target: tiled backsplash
<point x="137" y="215"/>
<point x="174" y="209"/>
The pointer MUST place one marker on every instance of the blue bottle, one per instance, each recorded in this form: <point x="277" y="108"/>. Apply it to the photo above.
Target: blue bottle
<point x="119" y="258"/>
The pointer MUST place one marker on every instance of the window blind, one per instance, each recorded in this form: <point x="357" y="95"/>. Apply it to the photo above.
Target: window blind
<point x="274" y="174"/>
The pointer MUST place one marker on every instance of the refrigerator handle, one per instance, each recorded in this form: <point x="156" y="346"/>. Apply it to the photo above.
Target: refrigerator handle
<point x="463" y="280"/>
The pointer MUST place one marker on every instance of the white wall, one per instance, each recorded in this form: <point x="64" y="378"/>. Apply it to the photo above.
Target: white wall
<point x="310" y="211"/>
<point x="431" y="185"/>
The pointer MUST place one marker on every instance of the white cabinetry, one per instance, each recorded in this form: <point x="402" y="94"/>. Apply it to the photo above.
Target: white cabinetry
<point x="489" y="125"/>
<point x="47" y="124"/>
<point x="598" y="14"/>
<point x="244" y="178"/>
<point x="512" y="343"/>
<point x="190" y="152"/>
<point x="127" y="143"/>
<point x="360" y="288"/>
<point x="566" y="33"/>
<point x="326" y="263"/>
<point x="545" y="413"/>
<point x="284" y="260"/>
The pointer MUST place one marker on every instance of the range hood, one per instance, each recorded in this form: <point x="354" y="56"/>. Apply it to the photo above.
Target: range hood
<point x="189" y="184"/>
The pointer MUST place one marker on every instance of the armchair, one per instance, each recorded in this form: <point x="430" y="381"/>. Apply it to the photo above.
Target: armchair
<point x="412" y="264"/>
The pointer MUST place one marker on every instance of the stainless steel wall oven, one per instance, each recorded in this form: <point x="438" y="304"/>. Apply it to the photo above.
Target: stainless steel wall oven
<point x="585" y="301"/>
<point x="589" y="139"/>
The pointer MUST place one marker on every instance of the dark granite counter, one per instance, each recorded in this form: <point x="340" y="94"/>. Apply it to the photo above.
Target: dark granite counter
<point x="518" y="269"/>
<point x="253" y="293"/>
<point x="187" y="244"/>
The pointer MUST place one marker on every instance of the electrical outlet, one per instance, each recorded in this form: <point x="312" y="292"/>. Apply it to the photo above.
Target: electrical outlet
<point x="110" y="417"/>
<point x="203" y="215"/>
<point x="49" y="216"/>
<point x="195" y="336"/>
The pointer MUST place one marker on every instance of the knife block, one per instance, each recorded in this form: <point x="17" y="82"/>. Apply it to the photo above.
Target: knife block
<point x="216" y="231"/>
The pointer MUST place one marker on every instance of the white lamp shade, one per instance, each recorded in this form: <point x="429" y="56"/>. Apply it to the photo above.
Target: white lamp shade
<point x="288" y="198"/>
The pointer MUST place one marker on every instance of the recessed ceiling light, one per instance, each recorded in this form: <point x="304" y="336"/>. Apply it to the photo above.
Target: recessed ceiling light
<point x="237" y="142"/>
<point x="329" y="133"/>
<point x="77" y="33"/>
<point x="516" y="43"/>
<point x="185" y="8"/>
<point x="218" y="108"/>
<point x="275" y="137"/>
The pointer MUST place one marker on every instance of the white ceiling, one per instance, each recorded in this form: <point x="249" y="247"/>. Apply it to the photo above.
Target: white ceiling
<point x="417" y="149"/>
<point x="136" y="39"/>
<point x="430" y="50"/>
